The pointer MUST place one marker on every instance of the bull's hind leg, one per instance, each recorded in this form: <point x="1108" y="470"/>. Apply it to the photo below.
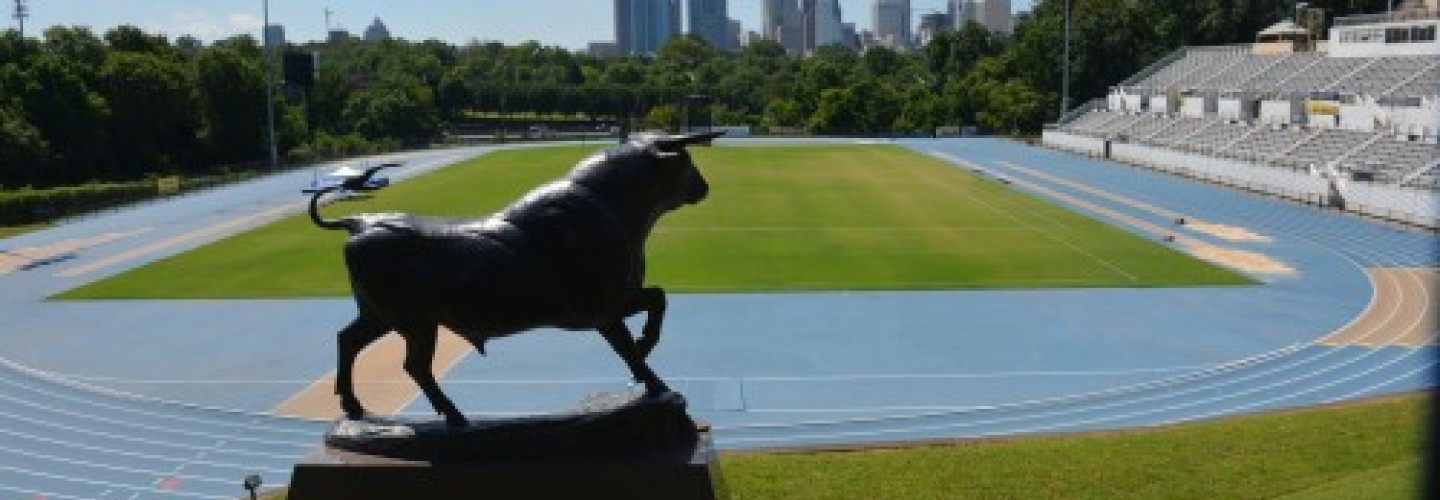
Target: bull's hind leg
<point x="361" y="332"/>
<point x="419" y="354"/>
<point x="620" y="340"/>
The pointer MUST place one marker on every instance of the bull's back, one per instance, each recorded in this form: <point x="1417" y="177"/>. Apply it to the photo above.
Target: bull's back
<point x="487" y="277"/>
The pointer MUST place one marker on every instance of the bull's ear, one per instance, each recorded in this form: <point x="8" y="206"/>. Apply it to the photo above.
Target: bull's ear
<point x="679" y="142"/>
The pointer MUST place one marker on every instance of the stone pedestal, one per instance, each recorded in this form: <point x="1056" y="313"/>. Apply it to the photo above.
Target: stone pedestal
<point x="614" y="446"/>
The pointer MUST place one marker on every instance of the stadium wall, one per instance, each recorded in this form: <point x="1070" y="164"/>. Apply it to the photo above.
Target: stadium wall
<point x="1407" y="205"/>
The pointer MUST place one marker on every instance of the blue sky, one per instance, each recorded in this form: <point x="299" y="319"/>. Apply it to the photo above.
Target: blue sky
<point x="567" y="23"/>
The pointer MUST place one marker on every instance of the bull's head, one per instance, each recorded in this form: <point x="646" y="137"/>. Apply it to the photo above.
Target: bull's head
<point x="675" y="161"/>
<point x="656" y="169"/>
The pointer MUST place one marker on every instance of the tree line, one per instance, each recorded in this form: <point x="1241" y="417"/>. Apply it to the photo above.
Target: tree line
<point x="77" y="106"/>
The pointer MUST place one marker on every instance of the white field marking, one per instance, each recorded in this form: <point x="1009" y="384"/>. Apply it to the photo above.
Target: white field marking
<point x="221" y="228"/>
<point x="1049" y="234"/>
<point x="1222" y="231"/>
<point x="943" y="157"/>
<point x="45" y="495"/>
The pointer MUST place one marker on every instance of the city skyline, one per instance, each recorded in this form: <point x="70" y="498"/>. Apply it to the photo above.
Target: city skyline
<point x="572" y="24"/>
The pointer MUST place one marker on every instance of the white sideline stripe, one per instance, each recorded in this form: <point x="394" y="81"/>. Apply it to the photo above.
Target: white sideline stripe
<point x="1048" y="234"/>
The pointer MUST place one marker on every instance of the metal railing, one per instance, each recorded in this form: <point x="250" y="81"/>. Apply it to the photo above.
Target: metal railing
<point x="1092" y="105"/>
<point x="1387" y="17"/>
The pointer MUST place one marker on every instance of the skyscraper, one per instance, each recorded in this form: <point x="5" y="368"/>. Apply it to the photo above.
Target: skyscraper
<point x="643" y="26"/>
<point x="710" y="20"/>
<point x="892" y="23"/>
<point x="785" y="23"/>
<point x="997" y="16"/>
<point x="828" y="27"/>
<point x="773" y="17"/>
<point x="994" y="15"/>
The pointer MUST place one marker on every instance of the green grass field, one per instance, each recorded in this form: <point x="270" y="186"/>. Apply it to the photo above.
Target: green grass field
<point x="803" y="218"/>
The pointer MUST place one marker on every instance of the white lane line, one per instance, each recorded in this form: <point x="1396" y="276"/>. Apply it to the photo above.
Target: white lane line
<point x="133" y="455"/>
<point x="104" y="484"/>
<point x="110" y="422"/>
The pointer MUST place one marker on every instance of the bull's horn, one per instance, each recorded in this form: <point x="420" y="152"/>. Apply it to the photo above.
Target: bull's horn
<point x="677" y="142"/>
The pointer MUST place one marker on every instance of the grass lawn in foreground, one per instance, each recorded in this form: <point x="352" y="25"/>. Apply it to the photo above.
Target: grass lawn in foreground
<point x="1357" y="451"/>
<point x="794" y="218"/>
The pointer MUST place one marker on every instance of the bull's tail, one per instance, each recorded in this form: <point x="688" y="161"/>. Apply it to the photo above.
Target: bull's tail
<point x="337" y="224"/>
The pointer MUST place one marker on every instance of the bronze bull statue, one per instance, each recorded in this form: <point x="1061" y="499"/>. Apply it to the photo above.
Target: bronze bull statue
<point x="569" y="254"/>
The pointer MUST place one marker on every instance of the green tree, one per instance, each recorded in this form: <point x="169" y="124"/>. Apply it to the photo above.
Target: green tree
<point x="70" y="116"/>
<point x="232" y="101"/>
<point x="836" y="113"/>
<point x="153" y="124"/>
<point x="396" y="108"/>
<point x="23" y="152"/>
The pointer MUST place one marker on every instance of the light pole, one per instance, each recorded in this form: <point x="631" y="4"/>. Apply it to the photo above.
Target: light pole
<point x="269" y="86"/>
<point x="22" y="11"/>
<point x="1065" y="66"/>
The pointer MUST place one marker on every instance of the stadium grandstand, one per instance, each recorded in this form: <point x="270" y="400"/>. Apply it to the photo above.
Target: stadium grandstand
<point x="1347" y="116"/>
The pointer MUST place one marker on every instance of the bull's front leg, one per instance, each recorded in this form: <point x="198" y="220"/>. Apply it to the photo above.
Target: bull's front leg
<point x="618" y="335"/>
<point x="652" y="302"/>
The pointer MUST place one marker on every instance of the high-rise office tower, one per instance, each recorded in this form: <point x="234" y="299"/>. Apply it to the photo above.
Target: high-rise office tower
<point x="994" y="15"/>
<point x="892" y="23"/>
<point x="828" y="27"/>
<point x="773" y="17"/>
<point x="643" y="26"/>
<point x="710" y="20"/>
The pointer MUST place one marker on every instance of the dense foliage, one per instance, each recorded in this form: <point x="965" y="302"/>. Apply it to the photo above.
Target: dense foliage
<point x="76" y="106"/>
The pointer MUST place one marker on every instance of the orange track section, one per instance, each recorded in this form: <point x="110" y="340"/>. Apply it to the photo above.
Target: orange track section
<point x="1402" y="312"/>
<point x="380" y="380"/>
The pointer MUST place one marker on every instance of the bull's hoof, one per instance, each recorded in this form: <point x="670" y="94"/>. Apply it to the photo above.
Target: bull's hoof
<point x="455" y="422"/>
<point x="354" y="411"/>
